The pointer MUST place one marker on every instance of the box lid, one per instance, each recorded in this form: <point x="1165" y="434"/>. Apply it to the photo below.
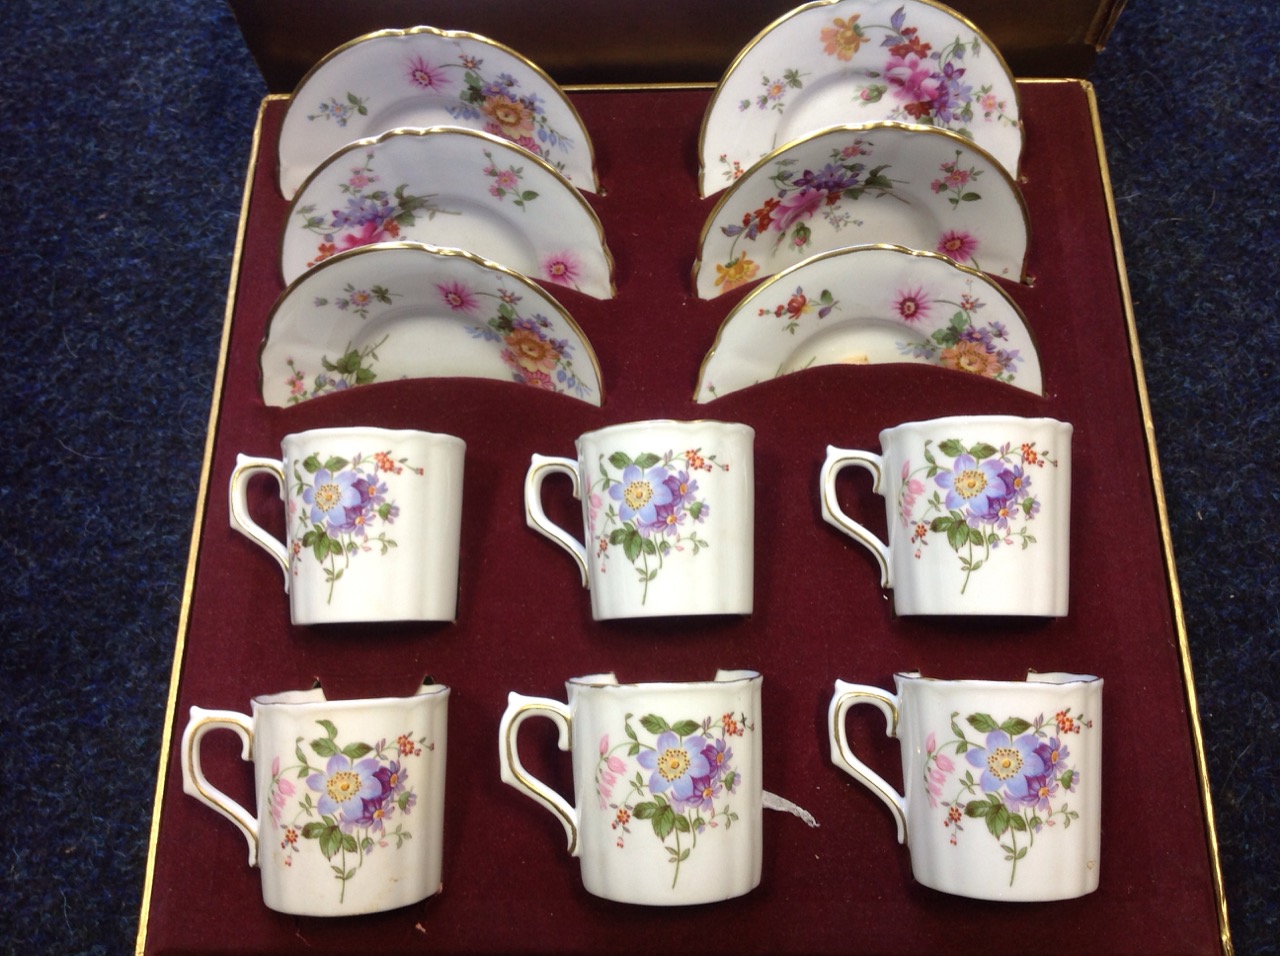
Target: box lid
<point x="653" y="41"/>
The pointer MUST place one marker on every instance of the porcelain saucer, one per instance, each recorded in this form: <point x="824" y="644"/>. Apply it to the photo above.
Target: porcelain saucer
<point x="869" y="305"/>
<point x="917" y="187"/>
<point x="450" y="187"/>
<point x="427" y="77"/>
<point x="859" y="61"/>
<point x="408" y="310"/>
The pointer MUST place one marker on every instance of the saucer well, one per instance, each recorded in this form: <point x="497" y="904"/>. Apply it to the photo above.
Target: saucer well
<point x="407" y="310"/>
<point x="859" y="61"/>
<point x="869" y="305"/>
<point x="912" y="186"/>
<point x="456" y="188"/>
<point x="427" y="77"/>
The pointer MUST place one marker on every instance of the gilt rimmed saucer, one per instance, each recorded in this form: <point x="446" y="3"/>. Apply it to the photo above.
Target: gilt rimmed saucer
<point x="424" y="77"/>
<point x="911" y="186"/>
<point x="409" y="310"/>
<point x="859" y="61"/>
<point x="450" y="187"/>
<point x="871" y="305"/>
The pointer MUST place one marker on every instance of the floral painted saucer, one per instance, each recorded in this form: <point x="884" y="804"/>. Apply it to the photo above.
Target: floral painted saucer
<point x="869" y="305"/>
<point x="859" y="61"/>
<point x="408" y="310"/>
<point x="427" y="77"/>
<point x="912" y="186"/>
<point x="450" y="187"/>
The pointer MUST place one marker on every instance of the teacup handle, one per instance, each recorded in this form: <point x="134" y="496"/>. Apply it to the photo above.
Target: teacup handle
<point x="519" y="709"/>
<point x="539" y="467"/>
<point x="246" y="468"/>
<point x="846" y="695"/>
<point x="839" y="459"/>
<point x="194" y="782"/>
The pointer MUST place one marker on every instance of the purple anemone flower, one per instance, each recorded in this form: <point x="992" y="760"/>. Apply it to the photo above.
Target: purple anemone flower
<point x="1007" y="762"/>
<point x="675" y="764"/>
<point x="640" y="493"/>
<point x="344" y="786"/>
<point x="973" y="484"/>
<point x="331" y="495"/>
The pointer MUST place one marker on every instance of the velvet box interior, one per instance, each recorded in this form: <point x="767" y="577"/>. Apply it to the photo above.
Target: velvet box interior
<point x="524" y="621"/>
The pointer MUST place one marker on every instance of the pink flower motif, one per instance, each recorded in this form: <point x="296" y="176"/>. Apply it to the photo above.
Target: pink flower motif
<point x="426" y="76"/>
<point x="930" y="742"/>
<point x="458" y="297"/>
<point x="372" y="231"/>
<point x="912" y="78"/>
<point x="960" y="246"/>
<point x="563" y="268"/>
<point x="913" y="305"/>
<point x="800" y="205"/>
<point x="604" y="741"/>
<point x="944" y="763"/>
<point x="615" y="764"/>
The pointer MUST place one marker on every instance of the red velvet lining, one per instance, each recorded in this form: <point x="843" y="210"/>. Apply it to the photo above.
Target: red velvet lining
<point x="524" y="623"/>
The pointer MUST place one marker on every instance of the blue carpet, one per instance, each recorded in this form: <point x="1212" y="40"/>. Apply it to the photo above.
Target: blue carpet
<point x="124" y="134"/>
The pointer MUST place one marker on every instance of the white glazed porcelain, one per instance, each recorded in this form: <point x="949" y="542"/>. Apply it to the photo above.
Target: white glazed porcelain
<point x="912" y="186"/>
<point x="1002" y="780"/>
<point x="428" y="77"/>
<point x="667" y="785"/>
<point x="979" y="514"/>
<point x="373" y="521"/>
<point x="406" y="310"/>
<point x="457" y="188"/>
<point x="868" y="305"/>
<point x="349" y="796"/>
<point x="860" y="61"/>
<point x="669" y="514"/>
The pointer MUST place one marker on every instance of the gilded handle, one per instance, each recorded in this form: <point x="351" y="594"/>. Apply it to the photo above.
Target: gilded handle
<point x="540" y="467"/>
<point x="519" y="709"/>
<point x="846" y="695"/>
<point x="837" y="460"/>
<point x="194" y="782"/>
<point x="242" y="521"/>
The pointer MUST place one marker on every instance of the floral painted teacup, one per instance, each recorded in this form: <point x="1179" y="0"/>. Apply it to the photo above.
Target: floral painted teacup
<point x="373" y="522"/>
<point x="350" y="797"/>
<point x="669" y="514"/>
<point x="979" y="514"/>
<point x="1002" y="780"/>
<point x="667" y="785"/>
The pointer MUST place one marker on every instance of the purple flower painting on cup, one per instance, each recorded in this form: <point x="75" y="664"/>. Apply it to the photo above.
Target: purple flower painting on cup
<point x="351" y="799"/>
<point x="651" y="509"/>
<point x="1016" y="777"/>
<point x="682" y="784"/>
<point x="981" y="499"/>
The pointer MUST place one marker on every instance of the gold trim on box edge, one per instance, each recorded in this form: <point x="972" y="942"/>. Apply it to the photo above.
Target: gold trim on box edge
<point x="193" y="551"/>
<point x="1162" y="510"/>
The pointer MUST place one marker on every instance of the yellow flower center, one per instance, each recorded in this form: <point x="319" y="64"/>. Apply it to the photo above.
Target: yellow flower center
<point x="343" y="785"/>
<point x="637" y="494"/>
<point x="328" y="495"/>
<point x="970" y="482"/>
<point x="1004" y="763"/>
<point x="673" y="763"/>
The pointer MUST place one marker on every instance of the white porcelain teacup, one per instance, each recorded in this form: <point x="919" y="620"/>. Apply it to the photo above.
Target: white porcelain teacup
<point x="373" y="522"/>
<point x="668" y="794"/>
<point x="350" y="796"/>
<point x="669" y="514"/>
<point x="979" y="514"/>
<point x="1002" y="780"/>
